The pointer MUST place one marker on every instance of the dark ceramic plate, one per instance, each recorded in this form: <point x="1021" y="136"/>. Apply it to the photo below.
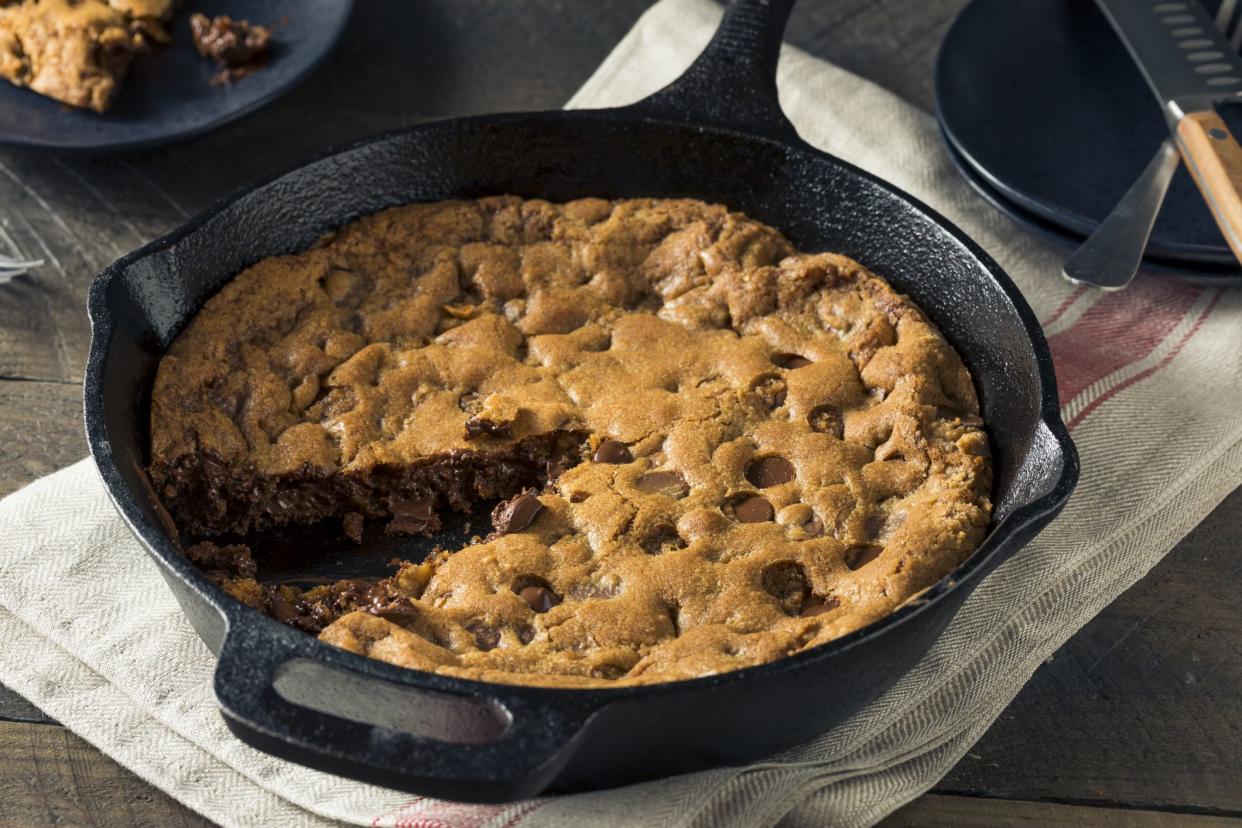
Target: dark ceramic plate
<point x="168" y="96"/>
<point x="1042" y="102"/>
<point x="1206" y="274"/>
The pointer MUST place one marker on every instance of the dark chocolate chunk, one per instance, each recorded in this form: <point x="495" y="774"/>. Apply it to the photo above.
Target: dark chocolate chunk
<point x="813" y="526"/>
<point x="554" y="469"/>
<point x="770" y="389"/>
<point x="669" y="482"/>
<point x="416" y="516"/>
<point x="399" y="611"/>
<point x="613" y="451"/>
<point x="236" y="46"/>
<point x="540" y="599"/>
<point x="516" y="513"/>
<point x="857" y="557"/>
<point x="227" y="41"/>
<point x="752" y="508"/>
<point x="826" y="420"/>
<point x="282" y="610"/>
<point x="486" y="637"/>
<point x="786" y="581"/>
<point x="608" y="671"/>
<point x="663" y="539"/>
<point x="478" y="426"/>
<point x="769" y="471"/>
<point x="790" y="361"/>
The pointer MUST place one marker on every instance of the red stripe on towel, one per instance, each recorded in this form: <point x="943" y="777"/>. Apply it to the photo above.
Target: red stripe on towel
<point x="1118" y="330"/>
<point x="1142" y="375"/>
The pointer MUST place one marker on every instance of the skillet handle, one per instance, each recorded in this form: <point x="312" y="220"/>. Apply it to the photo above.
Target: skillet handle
<point x="732" y="83"/>
<point x="277" y="693"/>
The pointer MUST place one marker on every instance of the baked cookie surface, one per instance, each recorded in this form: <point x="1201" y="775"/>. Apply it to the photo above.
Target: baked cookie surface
<point x="712" y="451"/>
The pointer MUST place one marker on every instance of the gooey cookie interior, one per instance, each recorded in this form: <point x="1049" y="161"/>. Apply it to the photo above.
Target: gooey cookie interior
<point x="711" y="450"/>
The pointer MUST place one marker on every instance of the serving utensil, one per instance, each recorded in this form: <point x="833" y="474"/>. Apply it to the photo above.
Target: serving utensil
<point x="1190" y="67"/>
<point x="11" y="267"/>
<point x="1111" y="256"/>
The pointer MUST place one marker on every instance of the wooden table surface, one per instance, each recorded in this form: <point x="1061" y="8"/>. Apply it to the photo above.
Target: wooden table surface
<point x="1137" y="720"/>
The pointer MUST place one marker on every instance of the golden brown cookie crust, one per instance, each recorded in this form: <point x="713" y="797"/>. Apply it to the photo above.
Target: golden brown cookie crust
<point x="776" y="448"/>
<point x="77" y="51"/>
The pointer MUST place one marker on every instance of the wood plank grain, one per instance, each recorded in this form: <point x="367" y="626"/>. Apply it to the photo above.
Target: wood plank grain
<point x="51" y="777"/>
<point x="40" y="430"/>
<point x="13" y="708"/>
<point x="1142" y="705"/>
<point x="936" y="811"/>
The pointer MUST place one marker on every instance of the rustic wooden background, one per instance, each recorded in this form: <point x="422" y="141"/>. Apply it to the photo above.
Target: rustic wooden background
<point x="1136" y="721"/>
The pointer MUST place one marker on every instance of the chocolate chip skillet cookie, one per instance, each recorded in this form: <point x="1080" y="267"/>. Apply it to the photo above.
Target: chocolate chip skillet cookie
<point x="709" y="450"/>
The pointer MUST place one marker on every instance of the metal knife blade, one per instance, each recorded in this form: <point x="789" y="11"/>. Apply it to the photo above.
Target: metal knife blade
<point x="1184" y="57"/>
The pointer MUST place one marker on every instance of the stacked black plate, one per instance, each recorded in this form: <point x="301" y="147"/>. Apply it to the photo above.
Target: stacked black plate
<point x="1048" y="118"/>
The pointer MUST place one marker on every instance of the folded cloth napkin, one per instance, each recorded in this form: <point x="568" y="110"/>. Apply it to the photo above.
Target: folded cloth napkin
<point x="1150" y="382"/>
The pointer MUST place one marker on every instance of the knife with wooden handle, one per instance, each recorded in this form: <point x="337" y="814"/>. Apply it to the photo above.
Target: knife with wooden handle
<point x="1190" y="68"/>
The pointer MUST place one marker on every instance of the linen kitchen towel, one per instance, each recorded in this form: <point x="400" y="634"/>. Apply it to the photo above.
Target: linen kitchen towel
<point x="1150" y="383"/>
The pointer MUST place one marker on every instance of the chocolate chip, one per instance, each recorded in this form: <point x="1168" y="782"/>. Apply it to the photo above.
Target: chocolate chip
<point x="769" y="471"/>
<point x="479" y="426"/>
<point x="818" y="606"/>
<point x="752" y="508"/>
<point x="786" y="581"/>
<point x="516" y="513"/>
<point x="399" y="611"/>
<point x="875" y="525"/>
<point x="486" y="637"/>
<point x="540" y="599"/>
<point x="826" y="420"/>
<point x="613" y="451"/>
<point x="663" y="539"/>
<point x="282" y="610"/>
<point x="813" y="526"/>
<point x="790" y="361"/>
<point x="416" y="516"/>
<point x="554" y="469"/>
<point x="608" y="671"/>
<point x="770" y="389"/>
<point x="857" y="557"/>
<point x="378" y="601"/>
<point x="376" y="594"/>
<point x="526" y="634"/>
<point x="669" y="482"/>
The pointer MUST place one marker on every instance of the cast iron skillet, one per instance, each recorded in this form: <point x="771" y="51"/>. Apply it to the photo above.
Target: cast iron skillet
<point x="718" y="134"/>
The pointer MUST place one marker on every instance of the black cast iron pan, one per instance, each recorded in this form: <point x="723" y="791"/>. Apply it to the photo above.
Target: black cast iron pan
<point x="718" y="134"/>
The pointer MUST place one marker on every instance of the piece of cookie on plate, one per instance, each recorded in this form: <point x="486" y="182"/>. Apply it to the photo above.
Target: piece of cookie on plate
<point x="77" y="51"/>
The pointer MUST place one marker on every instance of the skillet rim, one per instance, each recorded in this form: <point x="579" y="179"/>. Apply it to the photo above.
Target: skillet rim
<point x="159" y="546"/>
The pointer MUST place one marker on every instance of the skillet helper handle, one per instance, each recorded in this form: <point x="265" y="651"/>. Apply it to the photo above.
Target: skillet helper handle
<point x="1214" y="159"/>
<point x="732" y="83"/>
<point x="445" y="744"/>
